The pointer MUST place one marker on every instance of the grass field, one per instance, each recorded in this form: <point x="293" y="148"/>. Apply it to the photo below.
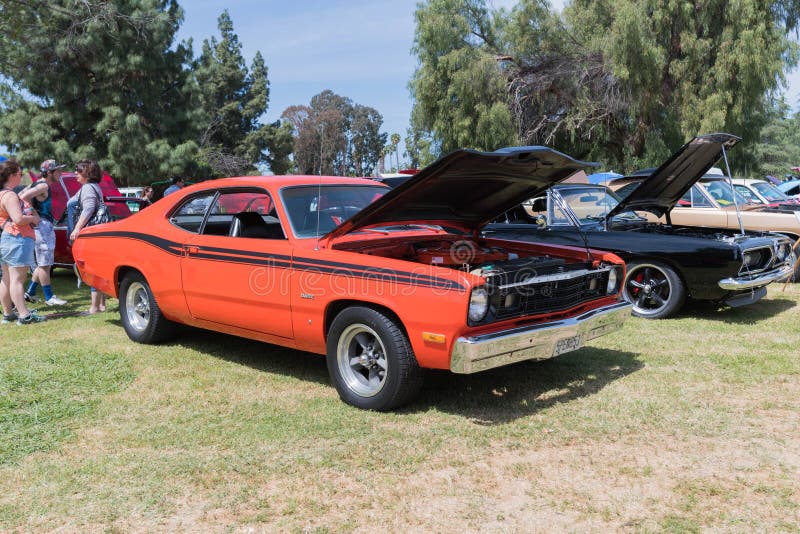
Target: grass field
<point x="683" y="425"/>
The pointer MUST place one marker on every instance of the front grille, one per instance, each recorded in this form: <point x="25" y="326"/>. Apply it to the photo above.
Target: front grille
<point x="548" y="296"/>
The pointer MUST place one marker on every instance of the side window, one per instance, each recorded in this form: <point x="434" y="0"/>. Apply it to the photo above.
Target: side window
<point x="747" y="194"/>
<point x="699" y="200"/>
<point x="244" y="214"/>
<point x="189" y="215"/>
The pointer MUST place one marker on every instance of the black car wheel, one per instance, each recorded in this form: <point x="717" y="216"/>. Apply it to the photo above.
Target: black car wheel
<point x="655" y="290"/>
<point x="370" y="360"/>
<point x="141" y="317"/>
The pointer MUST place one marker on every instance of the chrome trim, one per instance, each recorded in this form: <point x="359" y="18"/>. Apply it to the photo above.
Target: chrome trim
<point x="762" y="279"/>
<point x="558" y="276"/>
<point x="478" y="353"/>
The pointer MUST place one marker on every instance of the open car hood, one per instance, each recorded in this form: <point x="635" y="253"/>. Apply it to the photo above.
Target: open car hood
<point x="659" y="193"/>
<point x="468" y="188"/>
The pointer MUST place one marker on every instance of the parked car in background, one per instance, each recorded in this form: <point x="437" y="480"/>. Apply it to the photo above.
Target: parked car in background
<point x="790" y="188"/>
<point x="119" y="207"/>
<point x="710" y="202"/>
<point x="763" y="193"/>
<point x="666" y="263"/>
<point x="385" y="282"/>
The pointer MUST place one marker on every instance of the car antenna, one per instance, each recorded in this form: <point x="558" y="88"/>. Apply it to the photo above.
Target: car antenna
<point x="733" y="191"/>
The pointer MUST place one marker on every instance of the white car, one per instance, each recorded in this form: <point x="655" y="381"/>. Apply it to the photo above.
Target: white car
<point x="762" y="192"/>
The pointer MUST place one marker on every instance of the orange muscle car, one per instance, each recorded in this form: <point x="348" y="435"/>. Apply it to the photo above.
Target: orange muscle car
<point x="384" y="282"/>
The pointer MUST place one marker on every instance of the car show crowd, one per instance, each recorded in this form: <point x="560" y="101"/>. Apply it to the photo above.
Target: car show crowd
<point x="28" y="239"/>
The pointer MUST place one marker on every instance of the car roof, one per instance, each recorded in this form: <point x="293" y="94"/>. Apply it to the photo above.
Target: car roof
<point x="278" y="182"/>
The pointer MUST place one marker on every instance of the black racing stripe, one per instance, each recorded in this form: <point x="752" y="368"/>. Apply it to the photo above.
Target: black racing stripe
<point x="240" y="259"/>
<point x="166" y="245"/>
<point x="327" y="263"/>
<point x="247" y="253"/>
<point x="443" y="284"/>
<point x="284" y="261"/>
<point x="327" y="270"/>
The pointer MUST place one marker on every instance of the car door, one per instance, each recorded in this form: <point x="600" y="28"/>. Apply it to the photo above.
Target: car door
<point x="232" y="277"/>
<point x="696" y="209"/>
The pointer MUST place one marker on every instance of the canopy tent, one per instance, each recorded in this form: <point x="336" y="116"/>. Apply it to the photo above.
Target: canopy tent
<point x="2" y="158"/>
<point x="602" y="177"/>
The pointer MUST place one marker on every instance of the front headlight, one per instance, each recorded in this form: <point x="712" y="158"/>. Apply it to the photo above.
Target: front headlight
<point x="752" y="259"/>
<point x="614" y="278"/>
<point x="478" y="304"/>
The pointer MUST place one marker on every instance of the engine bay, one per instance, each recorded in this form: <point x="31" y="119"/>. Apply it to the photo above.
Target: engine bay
<point x="472" y="256"/>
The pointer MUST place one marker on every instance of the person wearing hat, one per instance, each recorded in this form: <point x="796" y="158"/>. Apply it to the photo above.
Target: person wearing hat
<point x="38" y="196"/>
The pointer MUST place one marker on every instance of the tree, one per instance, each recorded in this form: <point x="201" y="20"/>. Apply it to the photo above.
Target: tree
<point x="335" y="136"/>
<point x="97" y="79"/>
<point x="778" y="146"/>
<point x="459" y="92"/>
<point x="625" y="81"/>
<point x="231" y="101"/>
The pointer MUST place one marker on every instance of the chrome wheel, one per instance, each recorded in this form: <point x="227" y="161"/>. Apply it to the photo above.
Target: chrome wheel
<point x="649" y="289"/>
<point x="137" y="307"/>
<point x="361" y="358"/>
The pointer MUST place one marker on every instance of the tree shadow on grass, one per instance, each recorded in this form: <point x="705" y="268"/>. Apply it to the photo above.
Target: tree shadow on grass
<point x="507" y="393"/>
<point x="492" y="397"/>
<point x="762" y="310"/>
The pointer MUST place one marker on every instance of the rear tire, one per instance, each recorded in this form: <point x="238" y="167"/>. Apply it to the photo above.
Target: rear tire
<point x="370" y="360"/>
<point x="139" y="312"/>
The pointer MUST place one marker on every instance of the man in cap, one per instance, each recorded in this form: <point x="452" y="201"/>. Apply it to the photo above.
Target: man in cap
<point x="38" y="196"/>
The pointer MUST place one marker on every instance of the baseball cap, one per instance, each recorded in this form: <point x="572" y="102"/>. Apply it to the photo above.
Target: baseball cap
<point x="50" y="165"/>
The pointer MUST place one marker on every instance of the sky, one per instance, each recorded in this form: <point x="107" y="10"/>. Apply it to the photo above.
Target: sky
<point x="359" y="49"/>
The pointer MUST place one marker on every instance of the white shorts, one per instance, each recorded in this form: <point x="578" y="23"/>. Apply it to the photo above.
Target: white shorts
<point x="45" y="249"/>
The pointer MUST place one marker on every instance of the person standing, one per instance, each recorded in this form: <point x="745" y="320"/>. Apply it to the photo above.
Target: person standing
<point x="89" y="197"/>
<point x="38" y="196"/>
<point x="147" y="194"/>
<point x="177" y="185"/>
<point x="16" y="246"/>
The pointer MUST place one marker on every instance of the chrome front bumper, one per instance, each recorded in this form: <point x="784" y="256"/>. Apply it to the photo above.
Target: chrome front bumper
<point x="757" y="280"/>
<point x="535" y="342"/>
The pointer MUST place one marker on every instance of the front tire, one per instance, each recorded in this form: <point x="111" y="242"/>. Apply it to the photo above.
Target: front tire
<point x="655" y="290"/>
<point x="370" y="360"/>
<point x="139" y="312"/>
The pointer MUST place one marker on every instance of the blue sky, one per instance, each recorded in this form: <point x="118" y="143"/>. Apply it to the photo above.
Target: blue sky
<point x="360" y="49"/>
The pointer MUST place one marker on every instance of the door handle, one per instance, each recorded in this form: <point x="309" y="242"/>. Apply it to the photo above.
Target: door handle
<point x="191" y="250"/>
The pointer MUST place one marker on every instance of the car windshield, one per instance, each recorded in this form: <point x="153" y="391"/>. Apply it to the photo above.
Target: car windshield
<point x="591" y="204"/>
<point x="721" y="192"/>
<point x="316" y="210"/>
<point x="770" y="192"/>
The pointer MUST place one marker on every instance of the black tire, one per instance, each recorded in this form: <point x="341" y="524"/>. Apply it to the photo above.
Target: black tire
<point x="655" y="289"/>
<point x="139" y="312"/>
<point x="370" y="360"/>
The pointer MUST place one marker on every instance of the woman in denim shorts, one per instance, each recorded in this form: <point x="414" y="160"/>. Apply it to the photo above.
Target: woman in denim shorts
<point x="16" y="246"/>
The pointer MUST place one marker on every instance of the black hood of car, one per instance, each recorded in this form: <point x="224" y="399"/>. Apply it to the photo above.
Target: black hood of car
<point x="659" y="193"/>
<point x="468" y="188"/>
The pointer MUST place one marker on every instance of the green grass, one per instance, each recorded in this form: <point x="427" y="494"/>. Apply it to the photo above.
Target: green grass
<point x="688" y="424"/>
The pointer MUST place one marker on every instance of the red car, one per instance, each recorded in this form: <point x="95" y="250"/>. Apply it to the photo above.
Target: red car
<point x="386" y="282"/>
<point x="118" y="205"/>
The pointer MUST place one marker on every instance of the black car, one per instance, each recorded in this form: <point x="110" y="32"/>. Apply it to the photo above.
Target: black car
<point x="666" y="263"/>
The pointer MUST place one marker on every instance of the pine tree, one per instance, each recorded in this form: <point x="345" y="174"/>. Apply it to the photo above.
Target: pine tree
<point x="232" y="100"/>
<point x="97" y="79"/>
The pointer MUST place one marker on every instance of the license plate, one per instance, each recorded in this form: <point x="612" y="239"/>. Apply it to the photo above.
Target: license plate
<point x="567" y="344"/>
